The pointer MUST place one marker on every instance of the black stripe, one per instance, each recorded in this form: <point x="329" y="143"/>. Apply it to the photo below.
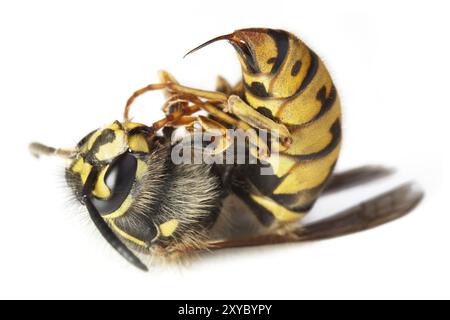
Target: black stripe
<point x="264" y="183"/>
<point x="107" y="136"/>
<point x="327" y="103"/>
<point x="262" y="214"/>
<point x="266" y="112"/>
<point x="267" y="183"/>
<point x="312" y="70"/>
<point x="281" y="39"/>
<point x="289" y="200"/>
<point x="335" y="130"/>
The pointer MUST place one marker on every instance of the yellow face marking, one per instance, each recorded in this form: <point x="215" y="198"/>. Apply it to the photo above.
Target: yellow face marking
<point x="82" y="168"/>
<point x="138" y="143"/>
<point x="114" y="148"/>
<point x="122" y="209"/>
<point x="168" y="228"/>
<point x="125" y="235"/>
<point x="101" y="190"/>
<point x="279" y="212"/>
<point x="141" y="169"/>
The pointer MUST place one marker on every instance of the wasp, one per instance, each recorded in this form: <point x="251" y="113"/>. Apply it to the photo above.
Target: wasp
<point x="144" y="202"/>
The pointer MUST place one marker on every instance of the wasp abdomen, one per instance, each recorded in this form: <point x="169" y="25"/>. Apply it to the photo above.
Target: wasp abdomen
<point x="286" y="81"/>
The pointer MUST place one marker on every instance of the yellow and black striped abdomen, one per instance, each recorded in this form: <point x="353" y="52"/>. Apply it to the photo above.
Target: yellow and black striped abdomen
<point x="285" y="80"/>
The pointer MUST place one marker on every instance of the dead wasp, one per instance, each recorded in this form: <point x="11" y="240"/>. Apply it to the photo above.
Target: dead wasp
<point x="141" y="200"/>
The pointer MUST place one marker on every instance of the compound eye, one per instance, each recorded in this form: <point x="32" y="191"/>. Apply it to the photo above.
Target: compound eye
<point x="119" y="178"/>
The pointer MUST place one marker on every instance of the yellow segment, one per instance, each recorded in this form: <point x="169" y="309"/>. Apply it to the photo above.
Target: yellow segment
<point x="101" y="190"/>
<point x="307" y="175"/>
<point x="279" y="212"/>
<point x="138" y="143"/>
<point x="125" y="235"/>
<point x="142" y="167"/>
<point x="281" y="164"/>
<point x="168" y="228"/>
<point x="305" y="106"/>
<point x="315" y="136"/>
<point x="284" y="84"/>
<point x="82" y="168"/>
<point x="114" y="148"/>
<point x="299" y="108"/>
<point x="121" y="210"/>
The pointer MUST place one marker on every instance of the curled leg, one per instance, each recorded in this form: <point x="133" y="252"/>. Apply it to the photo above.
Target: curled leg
<point x="221" y="140"/>
<point x="175" y="118"/>
<point x="243" y="111"/>
<point x="174" y="88"/>
<point x="165" y="77"/>
<point x="217" y="113"/>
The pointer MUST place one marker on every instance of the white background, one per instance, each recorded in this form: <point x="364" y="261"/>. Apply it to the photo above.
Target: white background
<point x="68" y="67"/>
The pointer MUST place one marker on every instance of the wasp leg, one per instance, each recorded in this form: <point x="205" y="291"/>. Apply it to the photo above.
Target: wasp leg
<point x="217" y="113"/>
<point x="184" y="121"/>
<point x="39" y="149"/>
<point x="174" y="118"/>
<point x="355" y="177"/>
<point x="165" y="77"/>
<point x="174" y="88"/>
<point x="368" y="214"/>
<point x="177" y="101"/>
<point x="212" y="96"/>
<point x="243" y="111"/>
<point x="222" y="141"/>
